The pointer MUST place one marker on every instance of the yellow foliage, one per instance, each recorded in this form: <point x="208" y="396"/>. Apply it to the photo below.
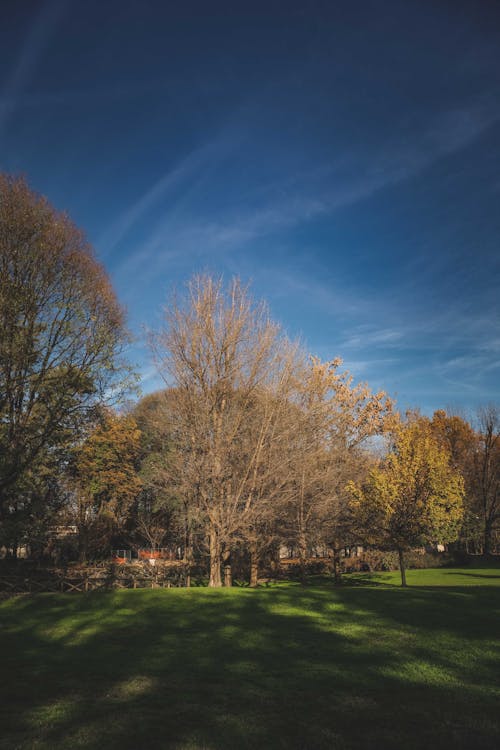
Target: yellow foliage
<point x="414" y="496"/>
<point x="106" y="464"/>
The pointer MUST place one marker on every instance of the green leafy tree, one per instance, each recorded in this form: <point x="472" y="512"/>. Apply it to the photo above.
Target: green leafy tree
<point x="105" y="481"/>
<point x="34" y="504"/>
<point x="413" y="497"/>
<point x="456" y="435"/>
<point x="475" y="452"/>
<point x="61" y="331"/>
<point x="160" y="513"/>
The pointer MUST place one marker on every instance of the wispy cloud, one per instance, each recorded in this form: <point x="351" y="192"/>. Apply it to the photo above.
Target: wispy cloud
<point x="410" y="345"/>
<point x="366" y="336"/>
<point x="35" y="43"/>
<point x="18" y="96"/>
<point x="291" y="202"/>
<point x="148" y="200"/>
<point x="177" y="180"/>
<point x="150" y="379"/>
<point x="433" y="355"/>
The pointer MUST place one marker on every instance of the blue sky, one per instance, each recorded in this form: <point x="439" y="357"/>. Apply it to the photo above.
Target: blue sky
<point x="343" y="157"/>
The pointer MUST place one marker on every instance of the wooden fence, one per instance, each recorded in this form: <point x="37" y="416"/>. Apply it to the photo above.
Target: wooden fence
<point x="81" y="580"/>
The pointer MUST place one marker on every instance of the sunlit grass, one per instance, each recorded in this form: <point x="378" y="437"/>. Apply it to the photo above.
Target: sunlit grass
<point x="363" y="666"/>
<point x="436" y="577"/>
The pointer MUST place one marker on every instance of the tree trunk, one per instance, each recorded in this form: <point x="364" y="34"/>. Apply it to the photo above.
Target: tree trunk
<point x="402" y="567"/>
<point x="337" y="573"/>
<point x="188" y="556"/>
<point x="302" y="557"/>
<point x="82" y="545"/>
<point x="254" y="565"/>
<point x="215" y="580"/>
<point x="275" y="559"/>
<point x="487" y="537"/>
<point x="226" y="561"/>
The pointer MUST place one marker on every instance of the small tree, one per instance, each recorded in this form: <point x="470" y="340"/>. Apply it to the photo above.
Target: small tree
<point x="334" y="420"/>
<point x="476" y="454"/>
<point x="457" y="436"/>
<point x="105" y="481"/>
<point x="159" y="512"/>
<point x="414" y="497"/>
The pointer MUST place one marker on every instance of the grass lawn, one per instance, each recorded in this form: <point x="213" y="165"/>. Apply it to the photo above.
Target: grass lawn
<point x="368" y="665"/>
<point x="435" y="577"/>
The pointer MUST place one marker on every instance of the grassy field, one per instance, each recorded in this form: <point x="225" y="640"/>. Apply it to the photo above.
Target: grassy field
<point x="447" y="577"/>
<point x="365" y="666"/>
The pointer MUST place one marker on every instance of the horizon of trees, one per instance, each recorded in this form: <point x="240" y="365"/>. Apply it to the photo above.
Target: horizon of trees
<point x="251" y="446"/>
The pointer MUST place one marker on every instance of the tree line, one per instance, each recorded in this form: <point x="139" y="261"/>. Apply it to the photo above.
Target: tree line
<point x="251" y="445"/>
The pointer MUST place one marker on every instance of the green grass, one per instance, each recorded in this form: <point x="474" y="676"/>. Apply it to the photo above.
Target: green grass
<point x="365" y="666"/>
<point x="435" y="577"/>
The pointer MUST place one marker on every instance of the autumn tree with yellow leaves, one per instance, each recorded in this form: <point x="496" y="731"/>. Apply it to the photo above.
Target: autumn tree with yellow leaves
<point x="413" y="497"/>
<point x="335" y="419"/>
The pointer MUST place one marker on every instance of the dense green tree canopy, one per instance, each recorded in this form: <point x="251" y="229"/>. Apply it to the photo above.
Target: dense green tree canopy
<point x="61" y="330"/>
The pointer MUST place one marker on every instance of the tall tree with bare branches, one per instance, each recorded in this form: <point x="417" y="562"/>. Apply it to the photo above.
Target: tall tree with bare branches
<point x="335" y="419"/>
<point x="223" y="356"/>
<point x="486" y="473"/>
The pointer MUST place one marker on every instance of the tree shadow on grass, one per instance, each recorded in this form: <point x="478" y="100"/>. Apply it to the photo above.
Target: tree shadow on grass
<point x="285" y="667"/>
<point x="364" y="579"/>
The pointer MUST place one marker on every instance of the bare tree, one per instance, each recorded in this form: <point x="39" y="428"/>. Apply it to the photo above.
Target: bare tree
<point x="335" y="419"/>
<point x="274" y="418"/>
<point x="486" y="472"/>
<point x="227" y="361"/>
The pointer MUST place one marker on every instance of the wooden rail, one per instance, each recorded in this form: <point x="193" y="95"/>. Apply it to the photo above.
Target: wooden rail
<point x="94" y="579"/>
